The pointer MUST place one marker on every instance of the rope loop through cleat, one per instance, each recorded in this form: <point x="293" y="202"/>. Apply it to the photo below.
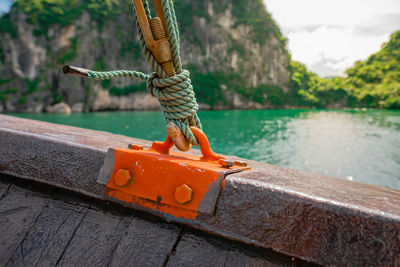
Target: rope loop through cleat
<point x="170" y="83"/>
<point x="177" y="101"/>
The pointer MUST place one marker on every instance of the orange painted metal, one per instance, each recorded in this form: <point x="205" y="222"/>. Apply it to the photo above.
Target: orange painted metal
<point x="122" y="178"/>
<point x="175" y="183"/>
<point x="205" y="147"/>
<point x="183" y="194"/>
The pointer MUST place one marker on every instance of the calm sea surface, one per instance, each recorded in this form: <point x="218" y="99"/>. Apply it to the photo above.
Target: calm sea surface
<point x="356" y="145"/>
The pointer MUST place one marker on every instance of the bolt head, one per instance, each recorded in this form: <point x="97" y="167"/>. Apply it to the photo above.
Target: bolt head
<point x="183" y="194"/>
<point x="122" y="178"/>
<point x="135" y="147"/>
<point x="240" y="163"/>
<point x="226" y="163"/>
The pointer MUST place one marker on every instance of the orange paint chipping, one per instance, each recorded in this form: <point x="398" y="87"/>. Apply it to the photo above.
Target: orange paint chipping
<point x="170" y="182"/>
<point x="156" y="178"/>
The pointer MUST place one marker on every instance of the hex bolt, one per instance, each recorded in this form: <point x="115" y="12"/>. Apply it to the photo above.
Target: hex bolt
<point x="135" y="147"/>
<point x="183" y="194"/>
<point x="226" y="163"/>
<point x="240" y="163"/>
<point x="123" y="178"/>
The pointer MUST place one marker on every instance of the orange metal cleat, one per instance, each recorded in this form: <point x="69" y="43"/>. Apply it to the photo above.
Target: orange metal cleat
<point x="165" y="181"/>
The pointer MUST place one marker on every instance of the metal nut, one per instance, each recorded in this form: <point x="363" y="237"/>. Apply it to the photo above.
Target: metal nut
<point x="226" y="163"/>
<point x="135" y="147"/>
<point x="183" y="194"/>
<point x="240" y="163"/>
<point x="123" y="178"/>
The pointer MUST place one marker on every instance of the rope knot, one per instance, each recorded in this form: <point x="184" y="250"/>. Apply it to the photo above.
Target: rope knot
<point x="177" y="101"/>
<point x="175" y="93"/>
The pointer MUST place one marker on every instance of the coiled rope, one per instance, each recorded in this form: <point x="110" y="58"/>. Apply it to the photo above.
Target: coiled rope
<point x="175" y="93"/>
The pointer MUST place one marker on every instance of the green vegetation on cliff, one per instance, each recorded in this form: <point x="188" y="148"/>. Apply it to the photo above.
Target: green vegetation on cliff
<point x="45" y="13"/>
<point x="373" y="83"/>
<point x="310" y="90"/>
<point x="254" y="14"/>
<point x="112" y="39"/>
<point x="7" y="26"/>
<point x="251" y="13"/>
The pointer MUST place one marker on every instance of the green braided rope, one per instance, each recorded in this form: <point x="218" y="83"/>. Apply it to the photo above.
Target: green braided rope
<point x="173" y="33"/>
<point x="108" y="75"/>
<point x="147" y="9"/>
<point x="175" y="94"/>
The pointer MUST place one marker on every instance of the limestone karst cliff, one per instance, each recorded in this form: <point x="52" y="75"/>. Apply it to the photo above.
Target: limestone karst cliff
<point x="233" y="48"/>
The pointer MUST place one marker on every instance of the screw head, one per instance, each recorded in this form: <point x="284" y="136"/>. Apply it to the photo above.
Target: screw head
<point x="183" y="194"/>
<point x="122" y="177"/>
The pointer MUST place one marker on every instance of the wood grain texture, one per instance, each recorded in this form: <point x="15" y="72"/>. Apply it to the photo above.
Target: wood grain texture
<point x="145" y="244"/>
<point x="43" y="227"/>
<point x="19" y="210"/>
<point x="3" y="188"/>
<point x="50" y="235"/>
<point x="196" y="249"/>
<point x="94" y="240"/>
<point x="317" y="218"/>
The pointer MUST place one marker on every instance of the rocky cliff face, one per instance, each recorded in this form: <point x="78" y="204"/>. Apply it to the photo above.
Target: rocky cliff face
<point x="236" y="54"/>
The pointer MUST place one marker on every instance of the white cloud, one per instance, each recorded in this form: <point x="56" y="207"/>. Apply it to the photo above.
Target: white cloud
<point x="330" y="35"/>
<point x="342" y="46"/>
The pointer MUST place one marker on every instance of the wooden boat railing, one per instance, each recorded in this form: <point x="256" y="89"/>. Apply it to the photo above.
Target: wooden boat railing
<point x="317" y="218"/>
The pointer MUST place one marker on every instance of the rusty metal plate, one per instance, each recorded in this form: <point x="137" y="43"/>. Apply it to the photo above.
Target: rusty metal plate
<point x="178" y="184"/>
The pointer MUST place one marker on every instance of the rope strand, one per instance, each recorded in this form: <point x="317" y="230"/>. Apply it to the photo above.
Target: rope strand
<point x="175" y="94"/>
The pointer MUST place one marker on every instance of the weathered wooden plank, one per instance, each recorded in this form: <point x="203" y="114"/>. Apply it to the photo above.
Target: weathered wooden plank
<point x="18" y="212"/>
<point x="48" y="238"/>
<point x="95" y="239"/>
<point x="3" y="188"/>
<point x="145" y="243"/>
<point x="313" y="217"/>
<point x="244" y="255"/>
<point x="56" y="154"/>
<point x="201" y="250"/>
<point x="56" y="164"/>
<point x="240" y="258"/>
<point x="137" y="240"/>
<point x="194" y="250"/>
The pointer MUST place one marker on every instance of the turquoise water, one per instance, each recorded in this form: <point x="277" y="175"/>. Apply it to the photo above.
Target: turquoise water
<point x="355" y="145"/>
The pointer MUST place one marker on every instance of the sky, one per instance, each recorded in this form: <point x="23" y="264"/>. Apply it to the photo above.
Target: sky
<point x="328" y="36"/>
<point x="5" y="5"/>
